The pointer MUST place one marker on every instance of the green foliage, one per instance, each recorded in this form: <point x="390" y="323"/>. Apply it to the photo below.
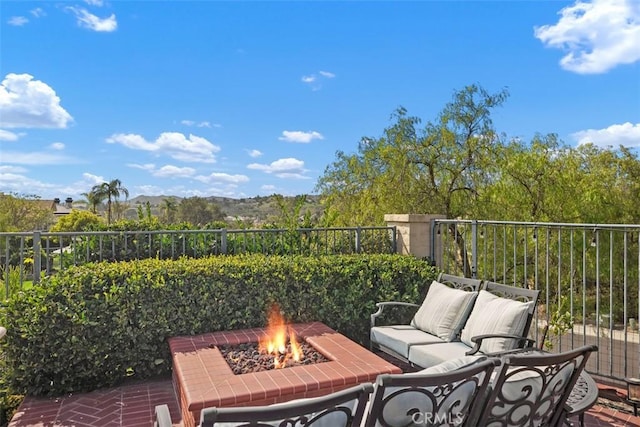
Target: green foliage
<point x="199" y="211"/>
<point x="560" y="321"/>
<point x="10" y="281"/>
<point x="439" y="168"/>
<point x="93" y="326"/>
<point x="19" y="212"/>
<point x="77" y="220"/>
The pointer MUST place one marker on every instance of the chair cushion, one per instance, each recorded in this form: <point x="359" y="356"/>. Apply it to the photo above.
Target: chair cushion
<point x="418" y="405"/>
<point x="525" y="389"/>
<point x="429" y="355"/>
<point x="492" y="314"/>
<point x="450" y="365"/>
<point x="444" y="311"/>
<point x="400" y="338"/>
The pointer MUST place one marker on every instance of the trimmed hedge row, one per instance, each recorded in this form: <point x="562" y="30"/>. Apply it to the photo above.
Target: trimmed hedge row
<point x="95" y="325"/>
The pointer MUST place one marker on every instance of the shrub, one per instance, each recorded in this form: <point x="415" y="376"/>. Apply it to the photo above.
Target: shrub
<point x="95" y="325"/>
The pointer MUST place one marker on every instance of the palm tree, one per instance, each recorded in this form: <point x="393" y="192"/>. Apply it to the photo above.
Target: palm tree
<point x="110" y="190"/>
<point x="93" y="199"/>
<point x="170" y="208"/>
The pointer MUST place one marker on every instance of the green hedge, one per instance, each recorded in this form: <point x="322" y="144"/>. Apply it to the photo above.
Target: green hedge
<point x="95" y="325"/>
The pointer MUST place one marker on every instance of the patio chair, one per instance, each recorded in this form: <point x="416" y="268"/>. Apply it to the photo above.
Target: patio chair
<point x="340" y="409"/>
<point x="532" y="389"/>
<point x="432" y="397"/>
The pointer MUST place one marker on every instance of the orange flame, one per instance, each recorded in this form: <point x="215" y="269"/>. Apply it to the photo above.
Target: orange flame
<point x="275" y="340"/>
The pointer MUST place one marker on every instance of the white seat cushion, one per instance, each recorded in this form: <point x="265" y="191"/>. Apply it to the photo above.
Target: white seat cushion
<point x="400" y="338"/>
<point x="444" y="311"/>
<point x="433" y="354"/>
<point x="449" y="365"/>
<point x="492" y="314"/>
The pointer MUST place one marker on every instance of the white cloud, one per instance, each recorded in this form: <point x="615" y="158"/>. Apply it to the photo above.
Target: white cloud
<point x="14" y="180"/>
<point x="170" y="171"/>
<point x="268" y="187"/>
<point x="282" y="168"/>
<point x="5" y="135"/>
<point x="315" y="80"/>
<point x="145" y="167"/>
<point x="300" y="136"/>
<point x="38" y="12"/>
<point x="223" y="177"/>
<point x="203" y="124"/>
<point x="153" y="190"/>
<point x="254" y="153"/>
<point x="626" y="134"/>
<point x="12" y="169"/>
<point x="97" y="3"/>
<point x="57" y="146"/>
<point x="21" y="184"/>
<point x="92" y="179"/>
<point x="36" y="158"/>
<point x="17" y="21"/>
<point x="93" y="22"/>
<point x="173" y="144"/>
<point x="597" y="35"/>
<point x="28" y="103"/>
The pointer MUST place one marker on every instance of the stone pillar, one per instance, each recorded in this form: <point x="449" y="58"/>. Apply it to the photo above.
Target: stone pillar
<point x="414" y="234"/>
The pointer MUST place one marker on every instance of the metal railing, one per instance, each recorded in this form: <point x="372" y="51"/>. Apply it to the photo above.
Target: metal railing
<point x="25" y="257"/>
<point x="591" y="271"/>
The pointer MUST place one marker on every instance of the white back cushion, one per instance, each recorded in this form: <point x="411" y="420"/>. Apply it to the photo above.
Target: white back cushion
<point x="444" y="311"/>
<point x="492" y="314"/>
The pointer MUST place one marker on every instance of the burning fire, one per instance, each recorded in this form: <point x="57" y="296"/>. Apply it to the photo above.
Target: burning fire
<point x="275" y="340"/>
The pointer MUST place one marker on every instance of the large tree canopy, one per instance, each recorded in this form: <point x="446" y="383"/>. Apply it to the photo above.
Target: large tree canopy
<point x="439" y="168"/>
<point x="460" y="166"/>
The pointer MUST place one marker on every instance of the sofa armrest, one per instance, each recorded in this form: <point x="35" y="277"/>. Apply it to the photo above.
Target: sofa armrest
<point x="477" y="340"/>
<point x="382" y="305"/>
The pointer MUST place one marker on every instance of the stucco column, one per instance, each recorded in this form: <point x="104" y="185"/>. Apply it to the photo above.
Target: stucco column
<point x="414" y="233"/>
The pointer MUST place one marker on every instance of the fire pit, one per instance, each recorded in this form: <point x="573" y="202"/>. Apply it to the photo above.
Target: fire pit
<point x="247" y="358"/>
<point x="278" y="348"/>
<point x="202" y="377"/>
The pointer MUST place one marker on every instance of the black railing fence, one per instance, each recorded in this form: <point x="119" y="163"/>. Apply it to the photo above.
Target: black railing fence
<point x="588" y="275"/>
<point x="25" y="257"/>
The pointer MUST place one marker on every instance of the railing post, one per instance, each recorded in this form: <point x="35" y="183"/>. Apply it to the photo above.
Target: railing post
<point x="223" y="241"/>
<point x="474" y="249"/>
<point x="358" y="229"/>
<point x="394" y="239"/>
<point x="37" y="260"/>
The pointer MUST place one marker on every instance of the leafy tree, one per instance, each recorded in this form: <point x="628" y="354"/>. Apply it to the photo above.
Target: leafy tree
<point x="144" y="214"/>
<point x="77" y="221"/>
<point x="110" y="190"/>
<point x="19" y="212"/>
<point x="440" y="168"/>
<point x="199" y="211"/>
<point x="548" y="181"/>
<point x="290" y="212"/>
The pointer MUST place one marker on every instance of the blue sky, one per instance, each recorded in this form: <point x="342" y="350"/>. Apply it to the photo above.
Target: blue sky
<point x="239" y="98"/>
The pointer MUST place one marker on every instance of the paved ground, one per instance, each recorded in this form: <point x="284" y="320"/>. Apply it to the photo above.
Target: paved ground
<point x="132" y="405"/>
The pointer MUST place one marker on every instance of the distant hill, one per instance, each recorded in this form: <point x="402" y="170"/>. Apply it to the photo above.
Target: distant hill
<point x="257" y="209"/>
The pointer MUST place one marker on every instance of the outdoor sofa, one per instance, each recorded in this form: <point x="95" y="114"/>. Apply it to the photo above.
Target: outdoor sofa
<point x="458" y="317"/>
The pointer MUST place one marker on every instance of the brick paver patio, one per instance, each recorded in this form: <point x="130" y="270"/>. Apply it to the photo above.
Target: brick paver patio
<point x="132" y="405"/>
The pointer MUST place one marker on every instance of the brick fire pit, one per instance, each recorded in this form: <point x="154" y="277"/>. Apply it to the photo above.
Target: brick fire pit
<point x="202" y="378"/>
